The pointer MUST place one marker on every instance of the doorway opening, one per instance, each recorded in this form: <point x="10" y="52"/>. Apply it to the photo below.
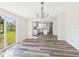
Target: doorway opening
<point x="42" y="28"/>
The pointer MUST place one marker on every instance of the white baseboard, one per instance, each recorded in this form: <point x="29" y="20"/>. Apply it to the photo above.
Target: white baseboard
<point x="73" y="45"/>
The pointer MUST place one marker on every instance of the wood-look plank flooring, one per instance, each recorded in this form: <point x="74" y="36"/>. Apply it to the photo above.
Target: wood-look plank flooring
<point x="43" y="46"/>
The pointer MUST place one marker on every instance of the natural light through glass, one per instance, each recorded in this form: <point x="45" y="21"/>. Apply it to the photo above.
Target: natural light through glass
<point x="11" y="30"/>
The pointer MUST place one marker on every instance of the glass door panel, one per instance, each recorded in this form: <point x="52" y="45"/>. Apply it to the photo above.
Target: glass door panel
<point x="1" y="33"/>
<point x="10" y="31"/>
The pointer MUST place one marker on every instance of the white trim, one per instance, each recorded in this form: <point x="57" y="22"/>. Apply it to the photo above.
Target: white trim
<point x="7" y="47"/>
<point x="72" y="44"/>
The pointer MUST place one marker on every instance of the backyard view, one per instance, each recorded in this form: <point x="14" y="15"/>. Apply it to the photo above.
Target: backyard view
<point x="11" y="31"/>
<point x="1" y="33"/>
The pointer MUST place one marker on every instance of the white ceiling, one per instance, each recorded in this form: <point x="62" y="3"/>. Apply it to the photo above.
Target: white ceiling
<point x="29" y="9"/>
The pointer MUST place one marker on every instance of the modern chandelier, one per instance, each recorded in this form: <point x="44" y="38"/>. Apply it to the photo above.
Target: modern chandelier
<point x="43" y="13"/>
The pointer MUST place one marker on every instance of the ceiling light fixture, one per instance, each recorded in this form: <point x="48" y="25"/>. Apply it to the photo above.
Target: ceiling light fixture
<point x="43" y="13"/>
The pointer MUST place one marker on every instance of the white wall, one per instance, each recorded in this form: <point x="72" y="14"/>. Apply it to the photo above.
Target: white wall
<point x="21" y="29"/>
<point x="60" y="26"/>
<point x="54" y="28"/>
<point x="72" y="26"/>
<point x="29" y="28"/>
<point x="21" y="25"/>
<point x="68" y="26"/>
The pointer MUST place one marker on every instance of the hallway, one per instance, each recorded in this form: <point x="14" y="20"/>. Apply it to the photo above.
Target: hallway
<point x="43" y="46"/>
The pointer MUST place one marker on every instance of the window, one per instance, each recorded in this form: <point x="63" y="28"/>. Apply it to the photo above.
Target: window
<point x="7" y="31"/>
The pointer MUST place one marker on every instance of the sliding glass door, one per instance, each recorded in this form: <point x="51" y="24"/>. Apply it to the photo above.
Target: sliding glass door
<point x="10" y="31"/>
<point x="1" y="33"/>
<point x="7" y="31"/>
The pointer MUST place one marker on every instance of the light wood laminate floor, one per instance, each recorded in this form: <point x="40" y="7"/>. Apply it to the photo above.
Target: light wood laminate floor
<point x="43" y="46"/>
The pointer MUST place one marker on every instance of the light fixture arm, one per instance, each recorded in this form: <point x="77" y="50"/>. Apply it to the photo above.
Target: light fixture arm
<point x="43" y="15"/>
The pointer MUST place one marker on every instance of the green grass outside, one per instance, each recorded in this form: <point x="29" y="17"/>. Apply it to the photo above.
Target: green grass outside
<point x="1" y="31"/>
<point x="11" y="37"/>
<point x="1" y="40"/>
